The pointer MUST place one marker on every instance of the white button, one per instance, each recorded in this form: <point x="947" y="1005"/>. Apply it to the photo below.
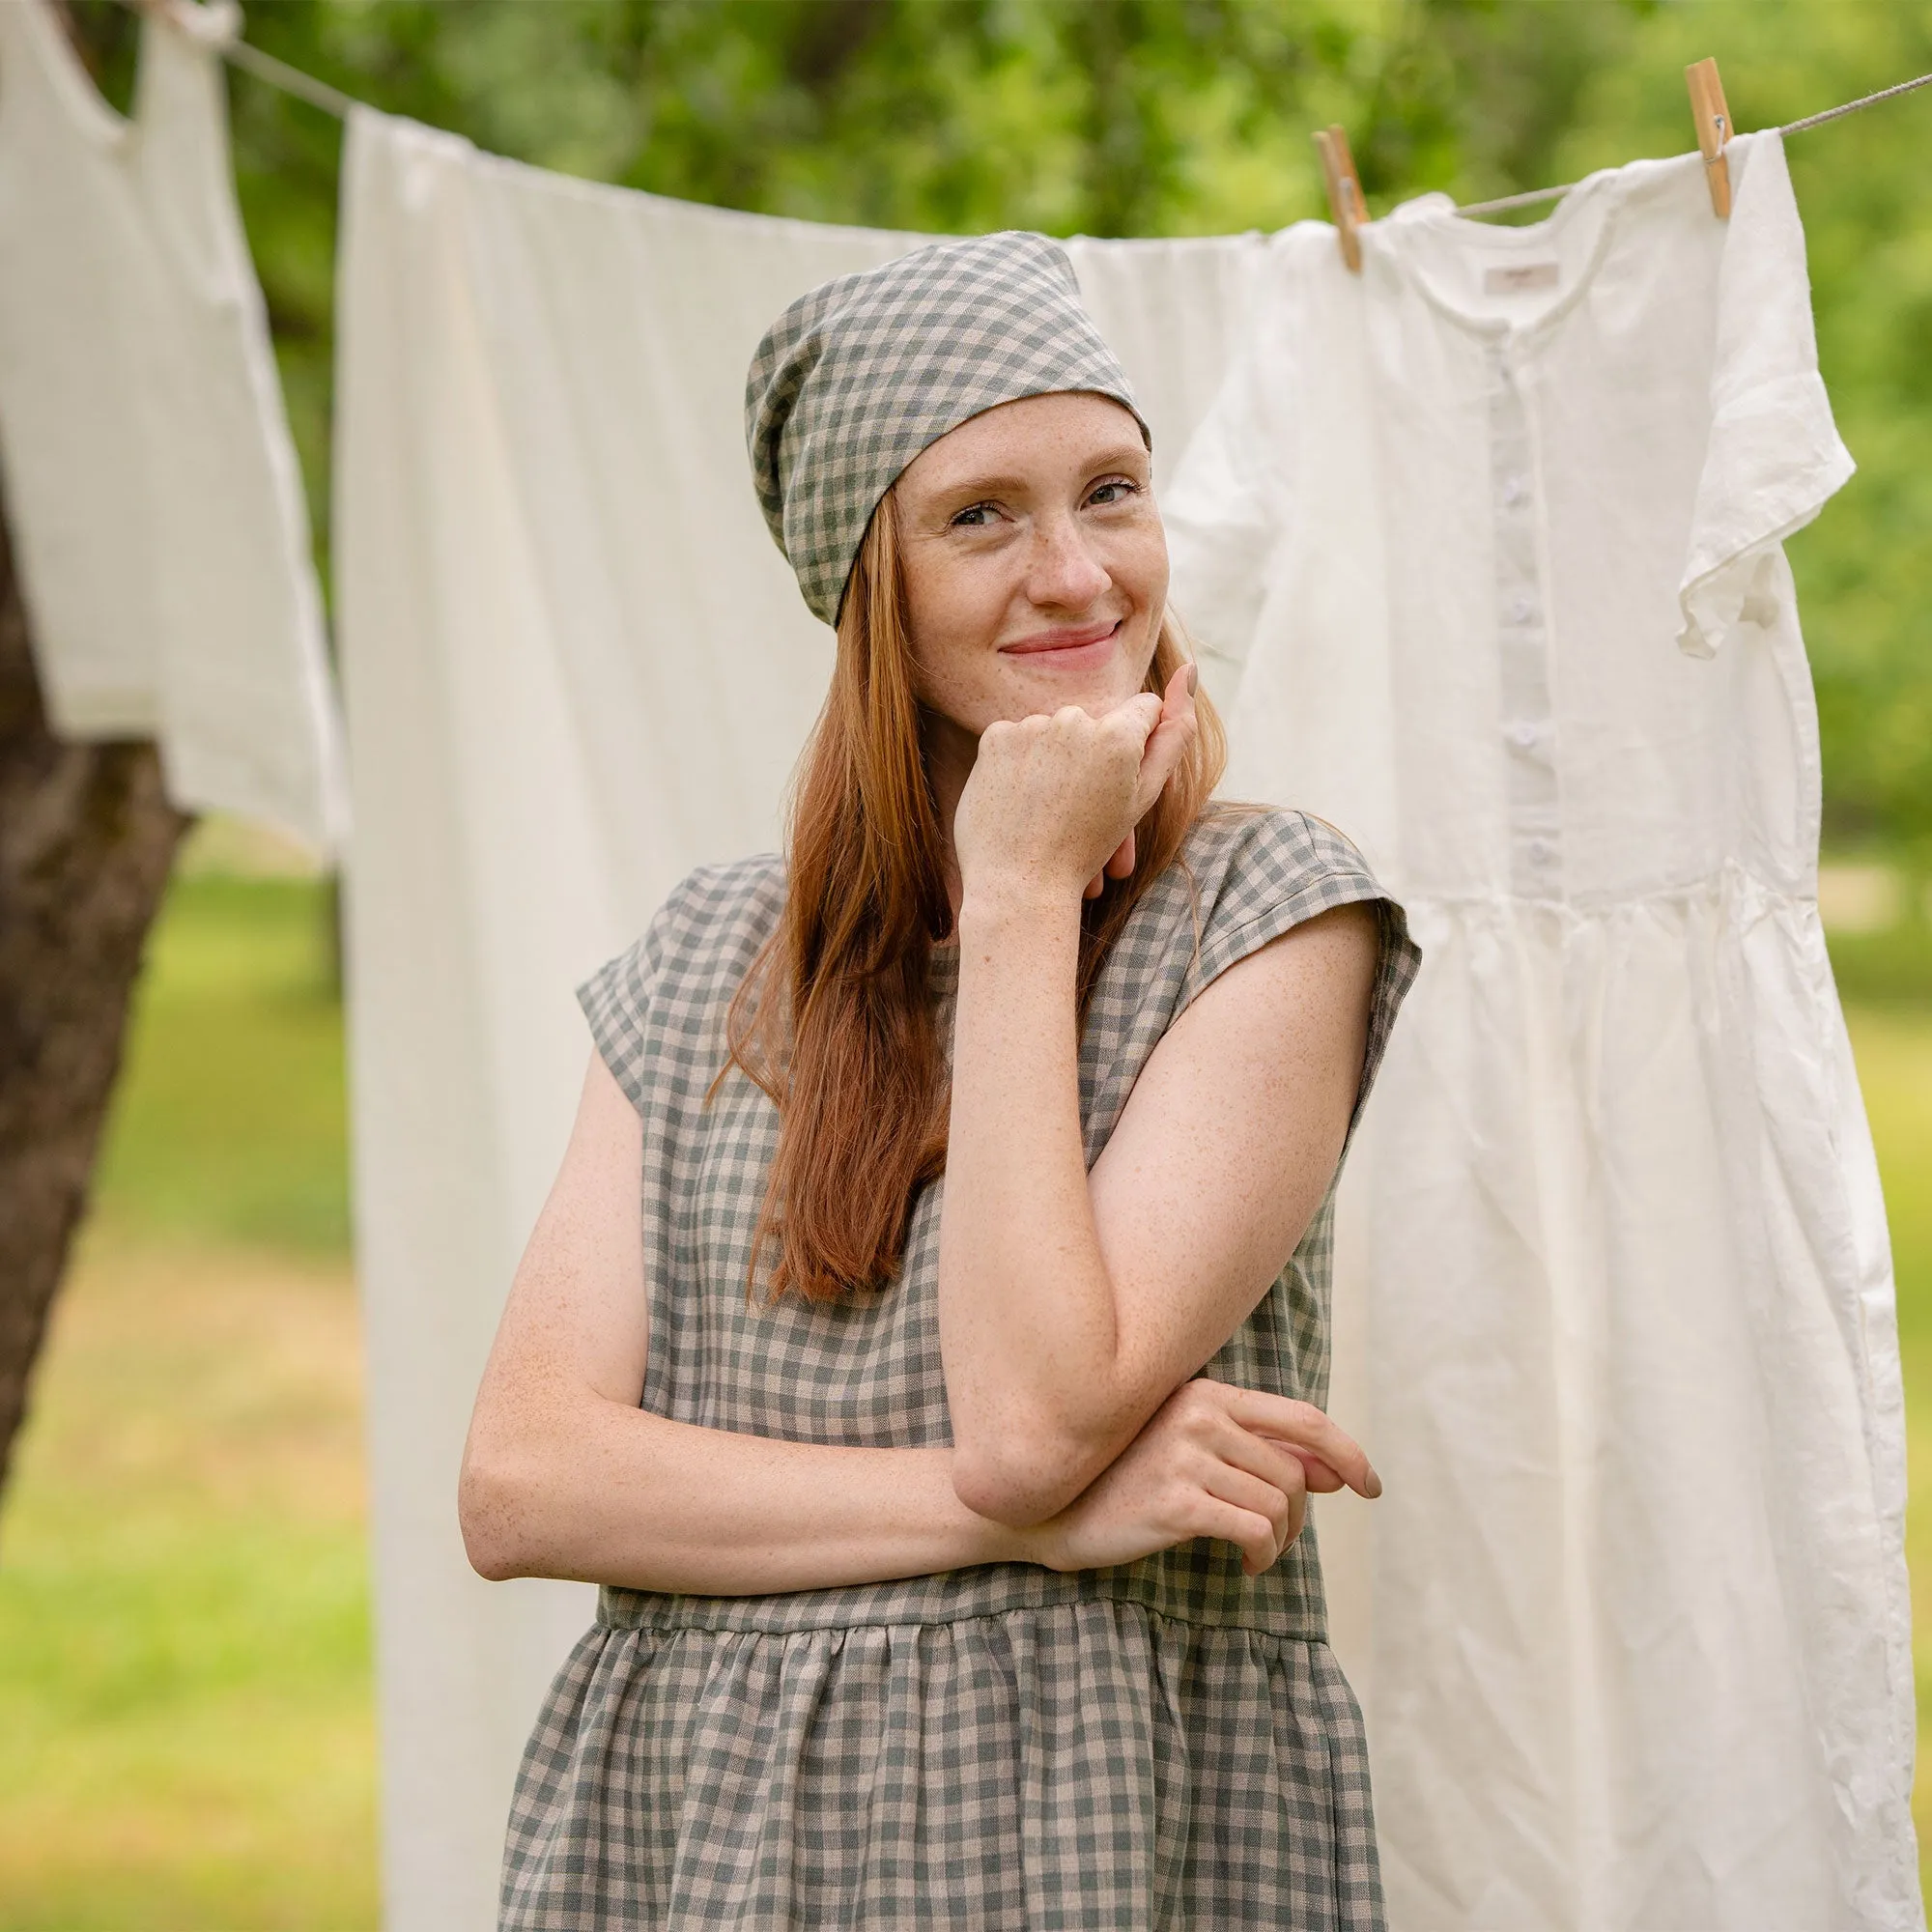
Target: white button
<point x="1512" y="489"/>
<point x="1542" y="850"/>
<point x="1523" y="607"/>
<point x="1525" y="736"/>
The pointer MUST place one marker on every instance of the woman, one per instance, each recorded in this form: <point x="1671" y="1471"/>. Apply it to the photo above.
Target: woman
<point x="951" y="1538"/>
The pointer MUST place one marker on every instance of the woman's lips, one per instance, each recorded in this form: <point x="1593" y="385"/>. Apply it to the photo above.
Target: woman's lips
<point x="1064" y="643"/>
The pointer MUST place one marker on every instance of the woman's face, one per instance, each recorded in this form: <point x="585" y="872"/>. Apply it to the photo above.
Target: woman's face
<point x="1034" y="561"/>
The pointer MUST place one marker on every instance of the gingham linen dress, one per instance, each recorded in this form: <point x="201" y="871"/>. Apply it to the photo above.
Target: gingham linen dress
<point x="1166" y="1743"/>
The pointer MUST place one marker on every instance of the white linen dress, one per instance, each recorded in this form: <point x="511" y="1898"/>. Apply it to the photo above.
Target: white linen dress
<point x="1484" y="547"/>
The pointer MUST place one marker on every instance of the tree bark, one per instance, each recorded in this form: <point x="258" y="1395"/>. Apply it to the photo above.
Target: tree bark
<point x="86" y="840"/>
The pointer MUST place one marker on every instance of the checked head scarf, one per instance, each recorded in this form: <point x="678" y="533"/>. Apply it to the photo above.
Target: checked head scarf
<point x="860" y="374"/>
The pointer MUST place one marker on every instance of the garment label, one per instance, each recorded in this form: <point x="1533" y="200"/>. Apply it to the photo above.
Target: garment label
<point x="1520" y="278"/>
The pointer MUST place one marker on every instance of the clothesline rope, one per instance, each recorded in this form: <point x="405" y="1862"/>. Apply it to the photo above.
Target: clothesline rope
<point x="332" y="101"/>
<point x="1527" y="198"/>
<point x="1852" y="106"/>
<point x="1532" y="195"/>
<point x="289" y="79"/>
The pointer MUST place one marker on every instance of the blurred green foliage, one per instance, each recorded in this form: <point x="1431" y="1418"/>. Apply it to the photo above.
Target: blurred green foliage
<point x="1156" y="117"/>
<point x="1886" y="969"/>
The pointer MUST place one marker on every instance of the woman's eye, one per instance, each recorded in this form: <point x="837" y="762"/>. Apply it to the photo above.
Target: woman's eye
<point x="1115" y="491"/>
<point x="976" y="517"/>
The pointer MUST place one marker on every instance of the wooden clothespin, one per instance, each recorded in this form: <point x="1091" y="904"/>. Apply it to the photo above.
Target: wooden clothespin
<point x="1714" y="129"/>
<point x="1345" y="193"/>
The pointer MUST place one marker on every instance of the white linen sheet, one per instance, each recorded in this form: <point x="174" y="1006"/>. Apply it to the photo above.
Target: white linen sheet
<point x="575" y="666"/>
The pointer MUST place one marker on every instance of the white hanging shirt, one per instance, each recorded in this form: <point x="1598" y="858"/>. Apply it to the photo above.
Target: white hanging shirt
<point x="152" y="489"/>
<point x="575" y="666"/>
<point x="1488" y="541"/>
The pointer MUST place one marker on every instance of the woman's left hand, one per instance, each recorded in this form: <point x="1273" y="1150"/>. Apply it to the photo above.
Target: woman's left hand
<point x="1053" y="799"/>
<point x="1213" y="1460"/>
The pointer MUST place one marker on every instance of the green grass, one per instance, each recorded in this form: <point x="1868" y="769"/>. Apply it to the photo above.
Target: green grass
<point x="187" y="1733"/>
<point x="187" y="1740"/>
<point x="229" y="1124"/>
<point x="186" y="1743"/>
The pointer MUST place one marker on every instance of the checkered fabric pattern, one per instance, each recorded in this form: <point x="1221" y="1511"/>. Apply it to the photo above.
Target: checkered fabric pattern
<point x="860" y="374"/>
<point x="1165" y="1743"/>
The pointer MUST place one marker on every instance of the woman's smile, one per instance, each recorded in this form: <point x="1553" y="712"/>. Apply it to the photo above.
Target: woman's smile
<point x="1071" y="647"/>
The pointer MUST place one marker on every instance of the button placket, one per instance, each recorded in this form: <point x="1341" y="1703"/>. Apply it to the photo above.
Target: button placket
<point x="1527" y="726"/>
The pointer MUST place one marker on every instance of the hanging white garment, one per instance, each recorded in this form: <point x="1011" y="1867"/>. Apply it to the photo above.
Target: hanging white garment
<point x="575" y="666"/>
<point x="152" y="489"/>
<point x="1491" y="535"/>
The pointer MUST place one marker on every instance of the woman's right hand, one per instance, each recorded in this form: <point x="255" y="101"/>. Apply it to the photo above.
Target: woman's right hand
<point x="1213" y="1460"/>
<point x="1053" y="799"/>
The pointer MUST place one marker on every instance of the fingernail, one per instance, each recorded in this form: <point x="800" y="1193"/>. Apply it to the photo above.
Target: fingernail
<point x="1375" y="1484"/>
<point x="1193" y="679"/>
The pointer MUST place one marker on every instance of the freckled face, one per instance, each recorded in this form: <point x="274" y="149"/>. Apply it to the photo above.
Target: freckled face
<point x="1034" y="561"/>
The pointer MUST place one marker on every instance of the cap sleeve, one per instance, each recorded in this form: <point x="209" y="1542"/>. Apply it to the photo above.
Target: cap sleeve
<point x="617" y="1000"/>
<point x="1775" y="456"/>
<point x="1281" y="870"/>
<point x="654" y="1010"/>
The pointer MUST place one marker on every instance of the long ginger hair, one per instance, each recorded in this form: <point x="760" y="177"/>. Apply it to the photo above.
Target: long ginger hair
<point x="834" y="1020"/>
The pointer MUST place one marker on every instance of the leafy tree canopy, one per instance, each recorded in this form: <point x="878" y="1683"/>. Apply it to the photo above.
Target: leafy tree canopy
<point x="1160" y="117"/>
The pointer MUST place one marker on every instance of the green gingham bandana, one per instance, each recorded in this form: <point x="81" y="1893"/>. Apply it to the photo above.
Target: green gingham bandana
<point x="860" y="374"/>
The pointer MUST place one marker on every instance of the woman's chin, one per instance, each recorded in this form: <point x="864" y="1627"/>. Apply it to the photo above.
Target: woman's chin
<point x="1100" y="685"/>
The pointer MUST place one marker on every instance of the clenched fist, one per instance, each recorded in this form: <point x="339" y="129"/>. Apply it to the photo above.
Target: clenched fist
<point x="1053" y="799"/>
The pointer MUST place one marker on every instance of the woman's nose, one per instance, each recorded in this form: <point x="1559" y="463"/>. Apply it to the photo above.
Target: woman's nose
<point x="1064" y="574"/>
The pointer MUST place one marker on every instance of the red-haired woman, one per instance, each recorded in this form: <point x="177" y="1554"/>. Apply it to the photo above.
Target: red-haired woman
<point x="952" y="1536"/>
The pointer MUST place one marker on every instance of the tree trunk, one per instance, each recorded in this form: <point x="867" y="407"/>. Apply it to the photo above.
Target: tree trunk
<point x="86" y="840"/>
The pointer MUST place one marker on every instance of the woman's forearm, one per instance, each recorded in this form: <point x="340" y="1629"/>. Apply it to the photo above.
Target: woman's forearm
<point x="1028" y="1323"/>
<point x="592" y="1489"/>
